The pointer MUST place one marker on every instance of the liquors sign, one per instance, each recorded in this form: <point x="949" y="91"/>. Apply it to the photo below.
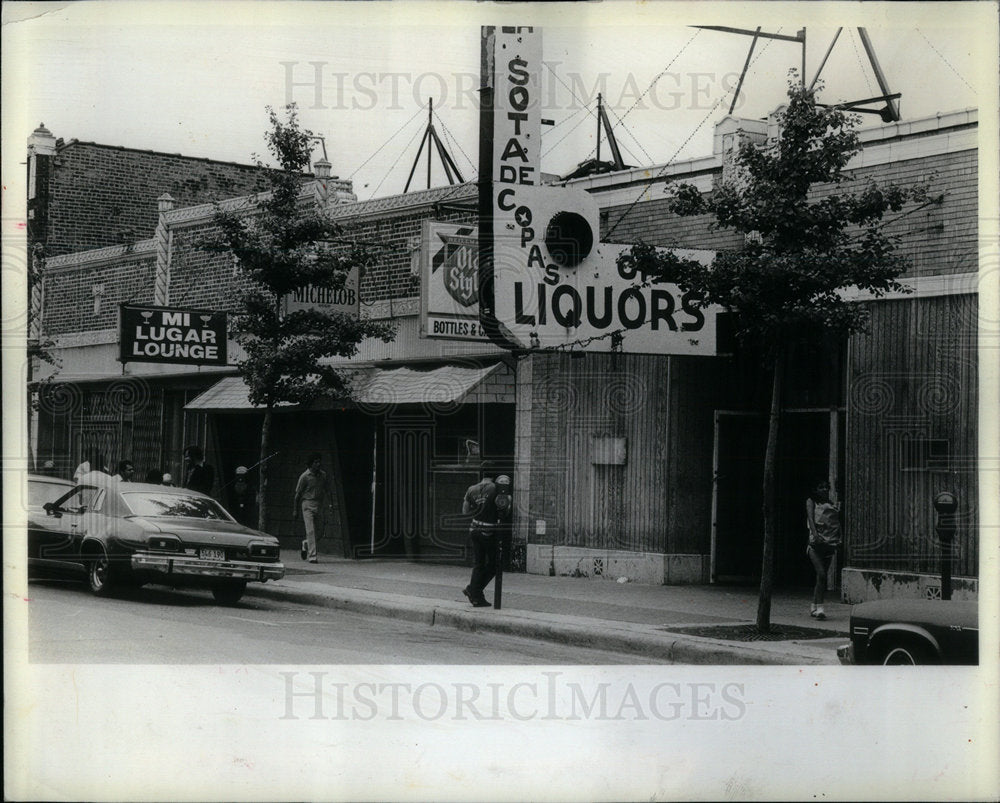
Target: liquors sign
<point x="546" y="279"/>
<point x="172" y="335"/>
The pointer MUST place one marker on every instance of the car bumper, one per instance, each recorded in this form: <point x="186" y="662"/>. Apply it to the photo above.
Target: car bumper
<point x="845" y="653"/>
<point x="199" y="567"/>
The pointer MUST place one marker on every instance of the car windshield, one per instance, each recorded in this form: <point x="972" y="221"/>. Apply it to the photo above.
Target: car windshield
<point x="41" y="491"/>
<point x="149" y="503"/>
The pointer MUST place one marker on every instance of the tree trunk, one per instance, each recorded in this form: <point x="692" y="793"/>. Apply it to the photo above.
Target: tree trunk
<point x="265" y="446"/>
<point x="770" y="458"/>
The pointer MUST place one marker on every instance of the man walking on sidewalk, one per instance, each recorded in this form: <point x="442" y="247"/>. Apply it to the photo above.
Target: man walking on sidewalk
<point x="312" y="497"/>
<point x="480" y="501"/>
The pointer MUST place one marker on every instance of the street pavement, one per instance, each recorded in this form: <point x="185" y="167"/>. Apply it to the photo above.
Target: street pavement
<point x="597" y="612"/>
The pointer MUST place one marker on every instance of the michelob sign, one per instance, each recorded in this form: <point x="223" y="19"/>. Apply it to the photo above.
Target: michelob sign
<point x="346" y="300"/>
<point x="449" y="281"/>
<point x="174" y="335"/>
<point x="546" y="280"/>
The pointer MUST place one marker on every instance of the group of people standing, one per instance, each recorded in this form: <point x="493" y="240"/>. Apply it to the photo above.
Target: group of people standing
<point x="198" y="476"/>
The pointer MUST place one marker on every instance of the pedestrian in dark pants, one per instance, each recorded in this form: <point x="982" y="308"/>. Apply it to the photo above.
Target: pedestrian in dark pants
<point x="480" y="501"/>
<point x="823" y="520"/>
<point x="198" y="476"/>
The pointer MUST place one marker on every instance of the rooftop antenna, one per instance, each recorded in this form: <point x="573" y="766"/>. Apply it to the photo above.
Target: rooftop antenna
<point x="451" y="171"/>
<point x="322" y="141"/>
<point x="602" y="120"/>
<point x="589" y="167"/>
<point x="889" y="113"/>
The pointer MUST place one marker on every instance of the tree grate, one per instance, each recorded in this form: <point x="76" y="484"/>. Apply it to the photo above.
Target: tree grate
<point x="751" y="633"/>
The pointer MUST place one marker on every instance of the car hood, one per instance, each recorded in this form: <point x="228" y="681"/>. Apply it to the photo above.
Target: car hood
<point x="964" y="613"/>
<point x="221" y="532"/>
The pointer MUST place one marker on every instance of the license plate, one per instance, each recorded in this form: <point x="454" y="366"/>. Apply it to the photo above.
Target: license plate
<point x="212" y="554"/>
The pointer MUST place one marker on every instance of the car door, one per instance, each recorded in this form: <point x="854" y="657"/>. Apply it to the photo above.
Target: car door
<point x="40" y="521"/>
<point x="66" y="521"/>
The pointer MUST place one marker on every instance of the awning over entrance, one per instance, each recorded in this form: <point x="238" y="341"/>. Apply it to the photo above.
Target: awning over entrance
<point x="445" y="384"/>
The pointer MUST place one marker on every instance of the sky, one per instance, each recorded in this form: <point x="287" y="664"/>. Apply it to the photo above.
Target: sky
<point x="195" y="78"/>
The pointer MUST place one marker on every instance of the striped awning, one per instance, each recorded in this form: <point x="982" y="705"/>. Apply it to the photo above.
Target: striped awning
<point x="368" y="387"/>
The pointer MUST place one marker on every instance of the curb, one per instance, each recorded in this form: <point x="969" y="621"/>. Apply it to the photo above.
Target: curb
<point x="576" y="631"/>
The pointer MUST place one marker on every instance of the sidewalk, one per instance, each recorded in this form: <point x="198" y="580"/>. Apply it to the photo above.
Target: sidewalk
<point x="588" y="612"/>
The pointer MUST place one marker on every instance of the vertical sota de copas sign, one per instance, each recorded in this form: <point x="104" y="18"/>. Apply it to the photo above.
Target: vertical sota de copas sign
<point x="172" y="335"/>
<point x="545" y="278"/>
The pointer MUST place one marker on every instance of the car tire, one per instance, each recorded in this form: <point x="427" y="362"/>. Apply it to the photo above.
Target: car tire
<point x="99" y="574"/>
<point x="905" y="653"/>
<point x="229" y="592"/>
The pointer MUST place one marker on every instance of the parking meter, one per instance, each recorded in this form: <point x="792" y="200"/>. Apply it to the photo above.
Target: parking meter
<point x="945" y="504"/>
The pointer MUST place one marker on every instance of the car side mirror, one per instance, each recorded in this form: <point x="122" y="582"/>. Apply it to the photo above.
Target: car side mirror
<point x="51" y="509"/>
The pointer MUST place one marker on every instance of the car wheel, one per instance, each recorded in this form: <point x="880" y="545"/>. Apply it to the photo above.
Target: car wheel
<point x="906" y="654"/>
<point x="99" y="576"/>
<point x="230" y="592"/>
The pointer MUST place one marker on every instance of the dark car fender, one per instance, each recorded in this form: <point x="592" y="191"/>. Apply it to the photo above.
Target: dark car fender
<point x="887" y="632"/>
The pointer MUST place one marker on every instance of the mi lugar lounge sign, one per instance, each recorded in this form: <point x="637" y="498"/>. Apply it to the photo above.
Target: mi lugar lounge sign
<point x="173" y="335"/>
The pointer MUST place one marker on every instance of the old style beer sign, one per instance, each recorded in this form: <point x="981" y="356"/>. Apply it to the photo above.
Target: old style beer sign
<point x="546" y="279"/>
<point x="174" y="335"/>
<point x="449" y="285"/>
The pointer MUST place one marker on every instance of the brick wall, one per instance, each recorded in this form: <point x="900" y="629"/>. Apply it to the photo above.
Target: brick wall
<point x="199" y="277"/>
<point x="100" y="195"/>
<point x="938" y="239"/>
<point x="392" y="236"/>
<point x="205" y="279"/>
<point x="499" y="388"/>
<point x="69" y="293"/>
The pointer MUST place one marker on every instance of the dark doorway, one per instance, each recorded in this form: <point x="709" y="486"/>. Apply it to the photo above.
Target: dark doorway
<point x="355" y="433"/>
<point x="738" y="537"/>
<point x="803" y="460"/>
<point x="805" y="439"/>
<point x="426" y="460"/>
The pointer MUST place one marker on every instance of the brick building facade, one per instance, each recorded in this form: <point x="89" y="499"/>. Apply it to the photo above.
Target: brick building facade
<point x="83" y="195"/>
<point x="892" y="415"/>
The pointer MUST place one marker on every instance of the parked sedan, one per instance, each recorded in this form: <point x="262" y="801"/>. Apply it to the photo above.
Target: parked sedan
<point x="913" y="631"/>
<point x="117" y="533"/>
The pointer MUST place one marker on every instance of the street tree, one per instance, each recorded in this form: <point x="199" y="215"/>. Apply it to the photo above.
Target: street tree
<point x="282" y="241"/>
<point x="802" y="251"/>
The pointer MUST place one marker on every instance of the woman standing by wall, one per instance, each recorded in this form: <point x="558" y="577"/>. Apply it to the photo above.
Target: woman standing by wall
<point x="823" y="520"/>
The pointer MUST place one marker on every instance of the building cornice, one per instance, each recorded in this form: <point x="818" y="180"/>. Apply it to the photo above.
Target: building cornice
<point x="97" y="256"/>
<point x="943" y="133"/>
<point x="952" y="284"/>
<point x="410" y="201"/>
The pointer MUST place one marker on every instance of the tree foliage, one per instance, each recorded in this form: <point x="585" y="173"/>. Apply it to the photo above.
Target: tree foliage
<point x="808" y="239"/>
<point x="282" y="243"/>
<point x="801" y="251"/>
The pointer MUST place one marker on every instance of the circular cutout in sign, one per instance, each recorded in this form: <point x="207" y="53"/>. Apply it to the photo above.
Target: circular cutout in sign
<point x="569" y="239"/>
